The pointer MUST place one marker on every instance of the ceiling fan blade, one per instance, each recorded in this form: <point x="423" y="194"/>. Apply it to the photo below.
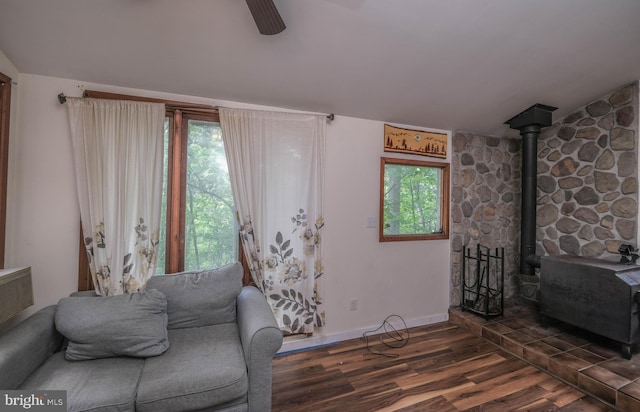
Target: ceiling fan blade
<point x="266" y="15"/>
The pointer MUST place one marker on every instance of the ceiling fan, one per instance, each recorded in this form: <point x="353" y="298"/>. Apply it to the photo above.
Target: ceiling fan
<point x="266" y="15"/>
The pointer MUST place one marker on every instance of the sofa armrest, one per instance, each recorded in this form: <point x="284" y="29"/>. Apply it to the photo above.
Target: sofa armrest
<point x="26" y="346"/>
<point x="261" y="338"/>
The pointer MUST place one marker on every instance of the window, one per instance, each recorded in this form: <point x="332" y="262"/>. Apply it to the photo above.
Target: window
<point x="414" y="200"/>
<point x="197" y="205"/>
<point x="197" y="202"/>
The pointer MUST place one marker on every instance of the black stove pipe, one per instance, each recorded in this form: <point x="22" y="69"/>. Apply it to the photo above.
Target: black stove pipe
<point x="529" y="189"/>
<point x="529" y="123"/>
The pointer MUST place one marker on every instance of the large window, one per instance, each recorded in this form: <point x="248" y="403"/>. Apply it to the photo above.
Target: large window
<point x="198" y="215"/>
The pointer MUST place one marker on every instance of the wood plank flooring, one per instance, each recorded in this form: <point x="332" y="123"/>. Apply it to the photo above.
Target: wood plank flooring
<point x="585" y="360"/>
<point x="443" y="367"/>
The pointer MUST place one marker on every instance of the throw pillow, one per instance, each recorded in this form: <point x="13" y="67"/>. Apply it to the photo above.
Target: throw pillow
<point x="107" y="326"/>
<point x="200" y="298"/>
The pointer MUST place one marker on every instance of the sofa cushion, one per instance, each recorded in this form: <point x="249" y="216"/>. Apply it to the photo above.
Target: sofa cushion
<point x="200" y="298"/>
<point x="123" y="325"/>
<point x="102" y="384"/>
<point x="202" y="368"/>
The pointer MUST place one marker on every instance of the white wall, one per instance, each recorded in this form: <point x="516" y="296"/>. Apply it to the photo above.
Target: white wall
<point x="404" y="278"/>
<point x="410" y="279"/>
<point x="42" y="211"/>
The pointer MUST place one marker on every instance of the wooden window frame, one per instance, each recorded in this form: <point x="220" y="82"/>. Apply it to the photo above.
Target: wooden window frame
<point x="444" y="200"/>
<point x="5" y="115"/>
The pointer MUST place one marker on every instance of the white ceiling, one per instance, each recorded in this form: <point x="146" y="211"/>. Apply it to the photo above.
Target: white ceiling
<point x="466" y="65"/>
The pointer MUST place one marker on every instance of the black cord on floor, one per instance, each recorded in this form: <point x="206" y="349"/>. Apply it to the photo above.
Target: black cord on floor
<point x="395" y="339"/>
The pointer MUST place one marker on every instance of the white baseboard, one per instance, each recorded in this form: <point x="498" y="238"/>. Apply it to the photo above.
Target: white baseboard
<point x="295" y="343"/>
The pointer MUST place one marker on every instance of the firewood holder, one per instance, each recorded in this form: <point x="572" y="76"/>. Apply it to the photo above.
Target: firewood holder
<point x="483" y="281"/>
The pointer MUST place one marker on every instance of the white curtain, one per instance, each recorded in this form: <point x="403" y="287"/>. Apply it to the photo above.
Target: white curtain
<point x="276" y="167"/>
<point x="118" y="156"/>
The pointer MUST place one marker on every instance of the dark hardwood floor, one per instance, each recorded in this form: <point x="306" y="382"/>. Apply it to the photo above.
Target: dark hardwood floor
<point x="443" y="367"/>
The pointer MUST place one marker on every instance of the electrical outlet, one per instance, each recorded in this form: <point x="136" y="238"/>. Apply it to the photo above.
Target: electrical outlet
<point x="354" y="304"/>
<point x="372" y="222"/>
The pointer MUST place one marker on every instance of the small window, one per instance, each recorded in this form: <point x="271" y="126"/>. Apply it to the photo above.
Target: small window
<point x="414" y="200"/>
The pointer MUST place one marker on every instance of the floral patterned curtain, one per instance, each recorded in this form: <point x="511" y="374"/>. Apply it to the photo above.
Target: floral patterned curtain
<point x="118" y="156"/>
<point x="276" y="167"/>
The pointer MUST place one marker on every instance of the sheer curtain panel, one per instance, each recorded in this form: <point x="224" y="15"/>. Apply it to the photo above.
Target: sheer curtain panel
<point x="118" y="156"/>
<point x="276" y="168"/>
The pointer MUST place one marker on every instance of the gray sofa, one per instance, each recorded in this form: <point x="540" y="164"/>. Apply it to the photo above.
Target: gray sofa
<point x="195" y="341"/>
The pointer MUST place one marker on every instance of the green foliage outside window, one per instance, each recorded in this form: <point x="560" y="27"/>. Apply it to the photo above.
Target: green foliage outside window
<point x="412" y="201"/>
<point x="210" y="225"/>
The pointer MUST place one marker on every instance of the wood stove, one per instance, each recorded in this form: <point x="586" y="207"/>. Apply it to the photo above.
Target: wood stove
<point x="593" y="294"/>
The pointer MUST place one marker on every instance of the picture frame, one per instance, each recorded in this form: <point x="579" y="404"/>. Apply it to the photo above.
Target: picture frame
<point x="408" y="141"/>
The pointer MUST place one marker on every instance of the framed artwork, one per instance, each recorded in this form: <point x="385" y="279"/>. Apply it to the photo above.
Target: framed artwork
<point x="419" y="142"/>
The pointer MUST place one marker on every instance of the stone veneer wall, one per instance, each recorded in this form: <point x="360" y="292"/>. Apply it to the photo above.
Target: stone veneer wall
<point x="587" y="182"/>
<point x="485" y="202"/>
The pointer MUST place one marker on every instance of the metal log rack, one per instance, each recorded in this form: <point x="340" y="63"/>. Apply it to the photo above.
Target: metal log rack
<point x="483" y="281"/>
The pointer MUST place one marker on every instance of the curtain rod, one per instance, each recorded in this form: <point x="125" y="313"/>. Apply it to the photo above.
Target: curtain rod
<point x="63" y="99"/>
